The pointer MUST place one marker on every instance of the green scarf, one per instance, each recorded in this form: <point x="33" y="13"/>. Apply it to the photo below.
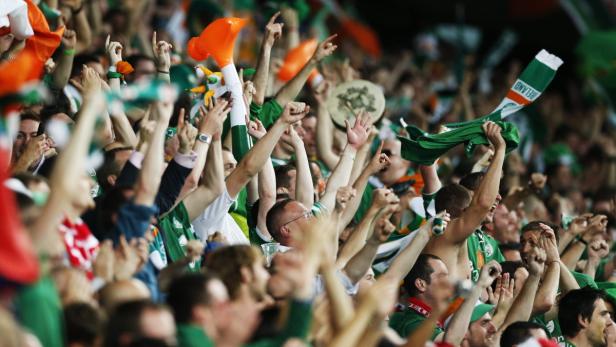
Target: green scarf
<point x="424" y="148"/>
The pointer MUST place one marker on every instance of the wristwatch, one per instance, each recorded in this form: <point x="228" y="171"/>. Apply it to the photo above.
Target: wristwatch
<point x="204" y="138"/>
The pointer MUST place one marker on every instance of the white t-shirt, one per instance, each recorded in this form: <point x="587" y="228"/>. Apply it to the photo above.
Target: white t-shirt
<point x="215" y="218"/>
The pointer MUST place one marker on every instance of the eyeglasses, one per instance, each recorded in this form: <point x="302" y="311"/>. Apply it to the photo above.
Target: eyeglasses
<point x="305" y="215"/>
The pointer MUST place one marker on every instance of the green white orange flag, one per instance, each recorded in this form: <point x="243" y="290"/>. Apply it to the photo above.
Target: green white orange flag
<point x="424" y="148"/>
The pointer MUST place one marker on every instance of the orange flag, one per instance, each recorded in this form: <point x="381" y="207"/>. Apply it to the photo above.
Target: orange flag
<point x="28" y="65"/>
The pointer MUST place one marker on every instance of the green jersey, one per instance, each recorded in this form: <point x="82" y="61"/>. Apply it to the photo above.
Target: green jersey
<point x="39" y="310"/>
<point x="409" y="320"/>
<point x="482" y="248"/>
<point x="551" y="327"/>
<point x="177" y="231"/>
<point x="192" y="336"/>
<point x="257" y="238"/>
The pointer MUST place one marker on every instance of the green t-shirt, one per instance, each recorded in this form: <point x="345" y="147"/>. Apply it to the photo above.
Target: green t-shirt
<point x="551" y="327"/>
<point x="177" y="231"/>
<point x="407" y="321"/>
<point x="39" y="309"/>
<point x="270" y="112"/>
<point x="297" y="325"/>
<point x="239" y="211"/>
<point x="256" y="239"/>
<point x="364" y="204"/>
<point x="482" y="248"/>
<point x="192" y="336"/>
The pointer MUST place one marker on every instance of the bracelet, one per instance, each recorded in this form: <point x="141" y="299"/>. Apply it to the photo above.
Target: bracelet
<point x="161" y="71"/>
<point x="69" y="51"/>
<point x="113" y="74"/>
<point x="553" y="261"/>
<point x="581" y="240"/>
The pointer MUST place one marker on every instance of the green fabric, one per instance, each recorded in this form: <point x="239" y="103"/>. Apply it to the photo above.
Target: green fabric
<point x="560" y="153"/>
<point x="407" y="321"/>
<point x="610" y="293"/>
<point x="423" y="148"/>
<point x="255" y="238"/>
<point x="297" y="325"/>
<point x="270" y="112"/>
<point x="177" y="231"/>
<point x="240" y="206"/>
<point x="480" y="310"/>
<point x="318" y="209"/>
<point x="255" y="110"/>
<point x="183" y="75"/>
<point x="600" y="275"/>
<point x="584" y="280"/>
<point x="240" y="141"/>
<point x="364" y="204"/>
<point x="192" y="336"/>
<point x="39" y="309"/>
<point x="241" y="222"/>
<point x="552" y="328"/>
<point x="276" y="162"/>
<point x="157" y="245"/>
<point x="482" y="248"/>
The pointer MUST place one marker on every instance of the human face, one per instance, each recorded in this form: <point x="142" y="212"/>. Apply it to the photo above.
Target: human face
<point x="260" y="278"/>
<point x="529" y="240"/>
<point x="294" y="220"/>
<point x="158" y="324"/>
<point x="505" y="225"/>
<point x="439" y="274"/>
<point x="229" y="162"/>
<point x="144" y="69"/>
<point x="83" y="200"/>
<point x="309" y="125"/>
<point x="599" y="321"/>
<point x="481" y="332"/>
<point x="366" y="282"/>
<point x="397" y="167"/>
<point x="27" y="130"/>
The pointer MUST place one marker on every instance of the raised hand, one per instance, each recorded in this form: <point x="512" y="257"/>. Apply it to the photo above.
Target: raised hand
<point x="505" y="296"/>
<point x="358" y="134"/>
<point x="162" y="54"/>
<point x="325" y="49"/>
<point x="536" y="261"/>
<point x="90" y="80"/>
<point x="213" y="119"/>
<point x="537" y="181"/>
<point x="273" y="30"/>
<point x="103" y="264"/>
<point x="294" y="112"/>
<point x="489" y="272"/>
<point x="579" y="224"/>
<point x="127" y="260"/>
<point x="296" y="140"/>
<point x="256" y="129"/>
<point x="439" y="223"/>
<point x="69" y="39"/>
<point x="187" y="133"/>
<point x="383" y="228"/>
<point x="598" y="249"/>
<point x="548" y="243"/>
<point x="194" y="249"/>
<point x="114" y="51"/>
<point x="321" y="92"/>
<point x="379" y="161"/>
<point x="383" y="197"/>
<point x="493" y="133"/>
<point x="343" y="196"/>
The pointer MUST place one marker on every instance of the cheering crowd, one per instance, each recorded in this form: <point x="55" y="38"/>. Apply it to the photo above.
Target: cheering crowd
<point x="280" y="180"/>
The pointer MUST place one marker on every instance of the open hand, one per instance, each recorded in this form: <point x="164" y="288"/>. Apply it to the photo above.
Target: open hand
<point x="213" y="118"/>
<point x="358" y="134"/>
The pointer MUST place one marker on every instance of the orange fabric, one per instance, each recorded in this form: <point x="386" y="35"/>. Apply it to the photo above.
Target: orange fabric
<point x="365" y="37"/>
<point x="217" y="39"/>
<point x="296" y="58"/>
<point x="18" y="261"/>
<point x="124" y="67"/>
<point x="28" y="64"/>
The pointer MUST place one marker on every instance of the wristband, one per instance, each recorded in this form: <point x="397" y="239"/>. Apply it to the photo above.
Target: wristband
<point x="113" y="74"/>
<point x="580" y="239"/>
<point x="161" y="71"/>
<point x="69" y="51"/>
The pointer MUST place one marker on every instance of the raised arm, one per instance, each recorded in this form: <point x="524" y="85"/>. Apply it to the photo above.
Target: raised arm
<point x="62" y="73"/>
<point x="304" y="189"/>
<point x="162" y="56"/>
<point x="82" y="26"/>
<point x="458" y="326"/>
<point x="267" y="179"/>
<point x="325" y="127"/>
<point x="273" y="31"/>
<point x="432" y="183"/>
<point x="254" y="160"/>
<point x="546" y="295"/>
<point x="485" y="196"/>
<point x="208" y="141"/>
<point x="356" y="137"/>
<point x="522" y="307"/>
<point x="69" y="166"/>
<point x="151" y="171"/>
<point x="405" y="261"/>
<point x="358" y="266"/>
<point x="290" y="90"/>
<point x="378" y="163"/>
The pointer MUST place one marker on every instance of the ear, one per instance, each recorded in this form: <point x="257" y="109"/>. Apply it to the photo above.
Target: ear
<point x="583" y="322"/>
<point x="421" y="285"/>
<point x="246" y="274"/>
<point x="284" y="231"/>
<point x="111" y="179"/>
